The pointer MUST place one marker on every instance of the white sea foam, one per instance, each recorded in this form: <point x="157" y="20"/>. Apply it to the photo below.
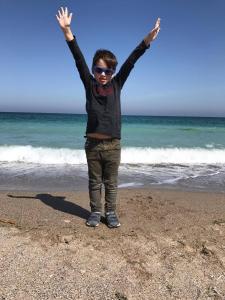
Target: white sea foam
<point x="39" y="155"/>
<point x="129" y="184"/>
<point x="173" y="156"/>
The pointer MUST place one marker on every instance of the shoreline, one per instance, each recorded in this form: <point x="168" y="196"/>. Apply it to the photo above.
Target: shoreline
<point x="69" y="178"/>
<point x="170" y="246"/>
<point x="84" y="189"/>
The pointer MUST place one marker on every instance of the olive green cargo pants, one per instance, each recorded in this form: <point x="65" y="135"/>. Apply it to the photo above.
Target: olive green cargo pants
<point x="103" y="159"/>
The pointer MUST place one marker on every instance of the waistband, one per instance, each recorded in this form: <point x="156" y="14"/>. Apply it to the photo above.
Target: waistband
<point x="88" y="138"/>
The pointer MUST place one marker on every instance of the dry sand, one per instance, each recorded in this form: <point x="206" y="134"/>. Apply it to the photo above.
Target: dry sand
<point x="171" y="245"/>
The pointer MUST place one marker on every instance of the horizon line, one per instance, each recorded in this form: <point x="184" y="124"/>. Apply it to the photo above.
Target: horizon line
<point x="131" y="115"/>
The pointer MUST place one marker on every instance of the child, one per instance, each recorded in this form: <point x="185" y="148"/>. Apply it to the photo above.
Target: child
<point x="103" y="131"/>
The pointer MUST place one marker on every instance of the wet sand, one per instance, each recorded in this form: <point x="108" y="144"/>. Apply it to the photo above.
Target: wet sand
<point x="171" y="245"/>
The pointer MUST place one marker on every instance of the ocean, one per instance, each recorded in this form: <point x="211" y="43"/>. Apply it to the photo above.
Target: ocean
<point x="46" y="152"/>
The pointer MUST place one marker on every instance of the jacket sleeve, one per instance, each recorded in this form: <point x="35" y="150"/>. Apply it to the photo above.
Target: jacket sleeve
<point x="80" y="62"/>
<point x="128" y="65"/>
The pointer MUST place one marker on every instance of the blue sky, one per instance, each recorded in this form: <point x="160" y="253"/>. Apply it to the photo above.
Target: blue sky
<point x="183" y="73"/>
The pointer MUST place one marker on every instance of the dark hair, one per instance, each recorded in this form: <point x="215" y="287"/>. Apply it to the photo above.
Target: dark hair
<point x="108" y="57"/>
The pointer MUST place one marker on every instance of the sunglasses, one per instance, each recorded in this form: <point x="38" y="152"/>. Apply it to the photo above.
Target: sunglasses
<point x="100" y="70"/>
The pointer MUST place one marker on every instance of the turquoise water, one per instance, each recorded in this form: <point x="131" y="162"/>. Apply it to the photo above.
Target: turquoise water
<point x="67" y="131"/>
<point x="43" y="151"/>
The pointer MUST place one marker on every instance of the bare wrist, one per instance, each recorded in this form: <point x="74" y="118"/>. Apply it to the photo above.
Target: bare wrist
<point x="68" y="33"/>
<point x="66" y="29"/>
<point x="147" y="41"/>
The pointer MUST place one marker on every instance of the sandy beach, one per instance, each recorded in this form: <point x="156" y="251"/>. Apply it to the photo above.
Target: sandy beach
<point x="170" y="246"/>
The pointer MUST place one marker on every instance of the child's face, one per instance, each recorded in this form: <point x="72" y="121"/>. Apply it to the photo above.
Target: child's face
<point x="102" y="73"/>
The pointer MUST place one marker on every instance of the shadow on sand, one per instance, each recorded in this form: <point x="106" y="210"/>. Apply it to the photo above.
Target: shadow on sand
<point x="59" y="203"/>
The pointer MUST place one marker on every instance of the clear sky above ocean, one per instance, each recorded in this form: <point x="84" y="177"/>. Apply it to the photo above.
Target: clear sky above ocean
<point x="181" y="74"/>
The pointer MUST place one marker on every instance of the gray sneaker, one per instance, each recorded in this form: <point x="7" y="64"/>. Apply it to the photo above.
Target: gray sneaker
<point x="112" y="219"/>
<point x="94" y="219"/>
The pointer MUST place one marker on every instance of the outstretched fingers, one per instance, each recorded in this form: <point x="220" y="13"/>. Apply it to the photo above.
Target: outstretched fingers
<point x="64" y="17"/>
<point x="60" y="15"/>
<point x="63" y="12"/>
<point x="157" y="26"/>
<point x="158" y="22"/>
<point x="70" y="16"/>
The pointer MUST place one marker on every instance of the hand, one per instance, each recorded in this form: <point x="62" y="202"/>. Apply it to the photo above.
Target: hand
<point x="64" y="18"/>
<point x="153" y="34"/>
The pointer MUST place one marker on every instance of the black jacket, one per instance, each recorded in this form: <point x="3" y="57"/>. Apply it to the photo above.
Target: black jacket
<point x="103" y="101"/>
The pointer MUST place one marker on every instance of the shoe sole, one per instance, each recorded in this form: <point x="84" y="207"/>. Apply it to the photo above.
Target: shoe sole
<point x="110" y="226"/>
<point x="89" y="225"/>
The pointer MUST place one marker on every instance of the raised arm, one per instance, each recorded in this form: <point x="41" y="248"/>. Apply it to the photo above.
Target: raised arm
<point x="64" y="19"/>
<point x="128" y="65"/>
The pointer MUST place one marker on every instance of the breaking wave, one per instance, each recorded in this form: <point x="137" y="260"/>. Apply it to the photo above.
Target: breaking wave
<point x="129" y="155"/>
